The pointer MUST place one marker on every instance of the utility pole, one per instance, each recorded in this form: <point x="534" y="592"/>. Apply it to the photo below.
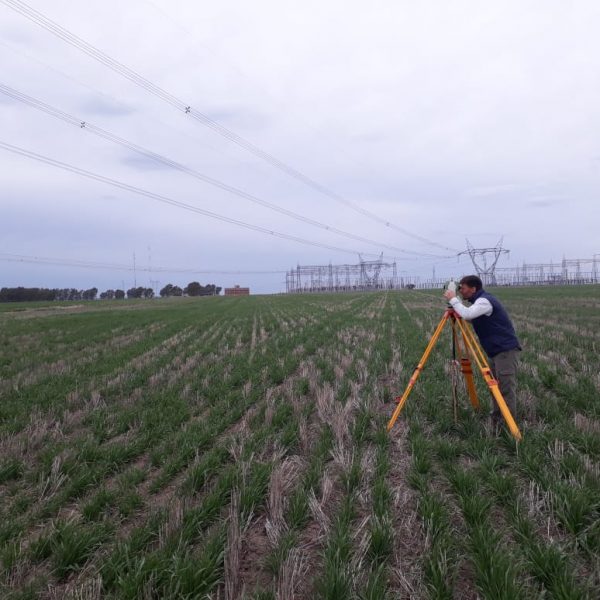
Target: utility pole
<point x="134" y="272"/>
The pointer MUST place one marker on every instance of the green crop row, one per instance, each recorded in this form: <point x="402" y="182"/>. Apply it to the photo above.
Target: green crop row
<point x="229" y="446"/>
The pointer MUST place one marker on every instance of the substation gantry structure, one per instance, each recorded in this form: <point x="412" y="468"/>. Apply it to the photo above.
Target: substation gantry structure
<point x="570" y="271"/>
<point x="366" y="275"/>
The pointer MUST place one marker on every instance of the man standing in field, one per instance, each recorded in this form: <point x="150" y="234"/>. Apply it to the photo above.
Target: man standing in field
<point x="496" y="335"/>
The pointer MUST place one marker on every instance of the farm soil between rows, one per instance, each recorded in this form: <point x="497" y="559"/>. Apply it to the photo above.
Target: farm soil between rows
<point x="236" y="448"/>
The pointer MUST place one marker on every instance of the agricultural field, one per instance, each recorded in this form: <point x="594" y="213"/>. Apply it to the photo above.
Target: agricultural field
<point x="237" y="448"/>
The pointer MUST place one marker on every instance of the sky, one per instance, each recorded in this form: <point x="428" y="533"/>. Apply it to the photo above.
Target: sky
<point x="447" y="120"/>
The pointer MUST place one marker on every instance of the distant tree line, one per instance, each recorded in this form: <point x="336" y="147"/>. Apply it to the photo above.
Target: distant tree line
<point x="112" y="295"/>
<point x="191" y="289"/>
<point x="140" y="292"/>
<point x="23" y="294"/>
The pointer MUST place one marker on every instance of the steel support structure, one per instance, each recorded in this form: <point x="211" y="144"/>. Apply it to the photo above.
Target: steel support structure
<point x="366" y="275"/>
<point x="484" y="260"/>
<point x="570" y="271"/>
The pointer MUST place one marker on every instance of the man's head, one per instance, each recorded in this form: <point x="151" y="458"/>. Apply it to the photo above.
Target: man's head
<point x="469" y="286"/>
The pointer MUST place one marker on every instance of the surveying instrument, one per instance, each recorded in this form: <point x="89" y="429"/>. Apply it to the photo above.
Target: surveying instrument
<point x="466" y="350"/>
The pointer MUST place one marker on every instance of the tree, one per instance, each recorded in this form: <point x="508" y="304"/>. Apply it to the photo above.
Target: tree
<point x="211" y="290"/>
<point x="107" y="295"/>
<point x="193" y="289"/>
<point x="140" y="292"/>
<point x="89" y="294"/>
<point x="171" y="290"/>
<point x="74" y="294"/>
<point x="167" y="291"/>
<point x="23" y="294"/>
<point x="119" y="294"/>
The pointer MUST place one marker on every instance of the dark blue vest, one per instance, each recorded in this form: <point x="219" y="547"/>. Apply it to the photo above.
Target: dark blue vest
<point x="496" y="332"/>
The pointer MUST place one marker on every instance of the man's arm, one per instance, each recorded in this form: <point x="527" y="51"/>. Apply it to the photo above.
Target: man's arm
<point x="482" y="306"/>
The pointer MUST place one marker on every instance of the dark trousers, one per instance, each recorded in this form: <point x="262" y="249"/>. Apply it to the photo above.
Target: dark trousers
<point x="504" y="367"/>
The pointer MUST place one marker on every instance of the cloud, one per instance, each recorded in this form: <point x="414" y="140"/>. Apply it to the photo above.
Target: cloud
<point x="437" y="120"/>
<point x="486" y="191"/>
<point x="143" y="163"/>
<point x="106" y="107"/>
<point x="242" y="117"/>
<point x="368" y="137"/>
<point x="546" y="201"/>
<point x="17" y="34"/>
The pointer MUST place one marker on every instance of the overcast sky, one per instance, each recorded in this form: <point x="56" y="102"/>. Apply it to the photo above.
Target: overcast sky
<point x="448" y="119"/>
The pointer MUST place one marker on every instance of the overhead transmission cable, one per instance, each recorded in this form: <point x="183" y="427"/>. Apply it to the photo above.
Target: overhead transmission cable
<point x="166" y="200"/>
<point x="88" y="264"/>
<point x="64" y="34"/>
<point x="72" y="120"/>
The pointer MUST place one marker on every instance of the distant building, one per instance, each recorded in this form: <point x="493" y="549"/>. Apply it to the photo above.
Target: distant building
<point x="237" y="291"/>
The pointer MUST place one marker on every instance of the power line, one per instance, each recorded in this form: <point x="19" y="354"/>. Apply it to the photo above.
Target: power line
<point x="125" y="107"/>
<point x="166" y="200"/>
<point x="64" y="34"/>
<point x="53" y="261"/>
<point x="81" y="124"/>
<point x="87" y="264"/>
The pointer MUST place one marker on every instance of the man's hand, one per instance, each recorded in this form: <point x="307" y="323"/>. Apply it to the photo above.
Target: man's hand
<point x="449" y="294"/>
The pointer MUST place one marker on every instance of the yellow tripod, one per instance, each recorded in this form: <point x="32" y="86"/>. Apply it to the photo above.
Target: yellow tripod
<point x="468" y="349"/>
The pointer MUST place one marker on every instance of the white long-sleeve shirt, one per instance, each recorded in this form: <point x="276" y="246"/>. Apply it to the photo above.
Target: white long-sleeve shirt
<point x="481" y="306"/>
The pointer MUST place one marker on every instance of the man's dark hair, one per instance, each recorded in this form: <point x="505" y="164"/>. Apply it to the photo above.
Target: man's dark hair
<point x="472" y="281"/>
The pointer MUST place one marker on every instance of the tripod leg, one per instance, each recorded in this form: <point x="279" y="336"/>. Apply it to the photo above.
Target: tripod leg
<point x="493" y="385"/>
<point x="418" y="370"/>
<point x="489" y="379"/>
<point x="453" y="373"/>
<point x="467" y="371"/>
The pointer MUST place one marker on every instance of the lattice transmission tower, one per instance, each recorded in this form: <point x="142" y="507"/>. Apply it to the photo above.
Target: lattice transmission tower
<point x="369" y="272"/>
<point x="485" y="259"/>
